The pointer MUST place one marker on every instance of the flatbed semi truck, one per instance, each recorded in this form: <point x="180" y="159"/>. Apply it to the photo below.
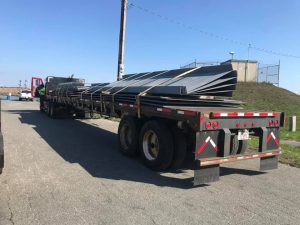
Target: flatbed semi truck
<point x="166" y="136"/>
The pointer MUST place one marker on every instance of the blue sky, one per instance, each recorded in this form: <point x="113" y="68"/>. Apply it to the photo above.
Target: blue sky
<point x="64" y="37"/>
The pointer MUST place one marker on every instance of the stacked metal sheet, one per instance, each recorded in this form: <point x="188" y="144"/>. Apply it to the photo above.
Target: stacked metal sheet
<point x="181" y="87"/>
<point x="209" y="81"/>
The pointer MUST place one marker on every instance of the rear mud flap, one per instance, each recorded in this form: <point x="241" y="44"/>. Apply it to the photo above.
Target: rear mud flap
<point x="269" y="163"/>
<point x="206" y="174"/>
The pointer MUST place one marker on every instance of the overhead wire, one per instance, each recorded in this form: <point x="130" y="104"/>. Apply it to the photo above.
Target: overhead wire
<point x="210" y="34"/>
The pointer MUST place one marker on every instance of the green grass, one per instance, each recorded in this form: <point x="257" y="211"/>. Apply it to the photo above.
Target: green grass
<point x="290" y="155"/>
<point x="267" y="97"/>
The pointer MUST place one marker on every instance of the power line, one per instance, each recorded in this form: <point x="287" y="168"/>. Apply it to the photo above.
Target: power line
<point x="213" y="35"/>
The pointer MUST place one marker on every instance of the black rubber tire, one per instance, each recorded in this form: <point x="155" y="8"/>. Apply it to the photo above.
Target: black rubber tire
<point x="165" y="143"/>
<point x="243" y="144"/>
<point x="129" y="126"/>
<point x="48" y="109"/>
<point x="234" y="145"/>
<point x="83" y="115"/>
<point x="52" y="113"/>
<point x="180" y="148"/>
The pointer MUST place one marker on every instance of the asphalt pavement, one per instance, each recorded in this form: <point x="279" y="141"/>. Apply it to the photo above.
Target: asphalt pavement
<point x="69" y="171"/>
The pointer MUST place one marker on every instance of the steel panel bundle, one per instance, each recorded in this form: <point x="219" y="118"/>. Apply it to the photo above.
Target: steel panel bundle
<point x="180" y="87"/>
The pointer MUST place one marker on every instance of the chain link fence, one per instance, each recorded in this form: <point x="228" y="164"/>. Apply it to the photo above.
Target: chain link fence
<point x="199" y="64"/>
<point x="268" y="73"/>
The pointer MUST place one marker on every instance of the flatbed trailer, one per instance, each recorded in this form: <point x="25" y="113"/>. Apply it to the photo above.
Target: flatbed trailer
<point x="166" y="136"/>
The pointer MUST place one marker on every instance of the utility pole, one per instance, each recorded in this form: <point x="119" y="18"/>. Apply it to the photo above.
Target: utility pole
<point x="246" y="67"/>
<point x="20" y="85"/>
<point x="122" y="40"/>
<point x="25" y="84"/>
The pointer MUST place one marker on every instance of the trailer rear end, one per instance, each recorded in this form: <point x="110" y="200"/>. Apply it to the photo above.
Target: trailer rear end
<point x="175" y="136"/>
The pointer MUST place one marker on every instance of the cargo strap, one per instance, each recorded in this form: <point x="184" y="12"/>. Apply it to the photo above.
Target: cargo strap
<point x="143" y="93"/>
<point x="122" y="89"/>
<point x="137" y="81"/>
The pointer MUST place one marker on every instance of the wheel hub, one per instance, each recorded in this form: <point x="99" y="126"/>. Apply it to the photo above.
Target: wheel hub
<point x="150" y="145"/>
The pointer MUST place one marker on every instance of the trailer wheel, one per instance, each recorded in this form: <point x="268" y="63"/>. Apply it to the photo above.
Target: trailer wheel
<point x="128" y="133"/>
<point x="234" y="145"/>
<point x="180" y="148"/>
<point x="243" y="144"/>
<point x="156" y="145"/>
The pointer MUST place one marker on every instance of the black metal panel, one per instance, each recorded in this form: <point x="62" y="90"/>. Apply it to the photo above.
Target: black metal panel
<point x="273" y="139"/>
<point x="206" y="174"/>
<point x="269" y="163"/>
<point x="201" y="80"/>
<point x="207" y="144"/>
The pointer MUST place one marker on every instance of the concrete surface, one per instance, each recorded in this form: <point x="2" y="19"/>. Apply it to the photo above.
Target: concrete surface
<point x="290" y="142"/>
<point x="70" y="172"/>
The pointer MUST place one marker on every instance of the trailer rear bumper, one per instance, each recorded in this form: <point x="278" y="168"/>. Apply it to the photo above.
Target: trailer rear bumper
<point x="1" y="153"/>
<point x="214" y="161"/>
<point x="208" y="170"/>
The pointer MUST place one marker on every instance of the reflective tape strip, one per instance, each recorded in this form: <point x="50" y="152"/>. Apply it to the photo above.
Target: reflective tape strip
<point x="201" y="148"/>
<point x="187" y="113"/>
<point x="213" y="144"/>
<point x="208" y="139"/>
<point x="275" y="139"/>
<point x="244" y="114"/>
<point x="207" y="162"/>
<point x="163" y="110"/>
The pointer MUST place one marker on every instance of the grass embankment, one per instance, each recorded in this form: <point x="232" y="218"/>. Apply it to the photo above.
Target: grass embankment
<point x="266" y="97"/>
<point x="290" y="154"/>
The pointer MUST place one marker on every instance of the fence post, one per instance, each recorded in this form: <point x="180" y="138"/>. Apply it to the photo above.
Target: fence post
<point x="292" y="123"/>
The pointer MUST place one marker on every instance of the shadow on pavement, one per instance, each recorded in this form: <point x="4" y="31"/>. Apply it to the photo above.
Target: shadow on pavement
<point x="96" y="150"/>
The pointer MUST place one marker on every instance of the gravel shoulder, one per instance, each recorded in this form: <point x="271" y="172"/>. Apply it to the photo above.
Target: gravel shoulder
<point x="71" y="172"/>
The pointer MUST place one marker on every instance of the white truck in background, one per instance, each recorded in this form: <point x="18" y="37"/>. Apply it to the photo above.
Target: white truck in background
<point x="25" y="95"/>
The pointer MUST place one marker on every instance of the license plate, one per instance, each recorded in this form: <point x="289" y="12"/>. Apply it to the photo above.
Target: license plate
<point x="243" y="135"/>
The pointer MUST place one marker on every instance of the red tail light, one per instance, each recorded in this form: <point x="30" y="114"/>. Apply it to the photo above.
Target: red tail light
<point x="215" y="124"/>
<point x="207" y="125"/>
<point x="271" y="122"/>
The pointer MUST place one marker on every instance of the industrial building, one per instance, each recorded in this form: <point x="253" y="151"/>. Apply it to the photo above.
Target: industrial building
<point x="246" y="69"/>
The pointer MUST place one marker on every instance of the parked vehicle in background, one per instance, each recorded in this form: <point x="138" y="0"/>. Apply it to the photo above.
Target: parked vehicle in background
<point x="25" y="95"/>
